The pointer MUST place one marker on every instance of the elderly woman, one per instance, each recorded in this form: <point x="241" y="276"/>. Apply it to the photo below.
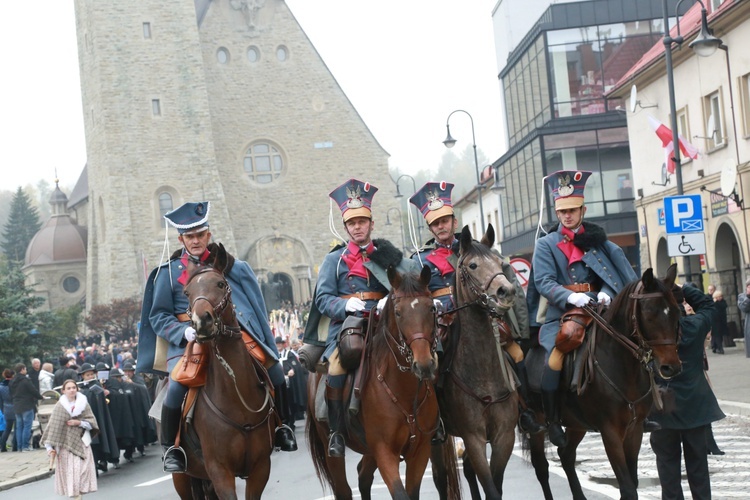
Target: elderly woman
<point x="46" y="378"/>
<point x="68" y="439"/>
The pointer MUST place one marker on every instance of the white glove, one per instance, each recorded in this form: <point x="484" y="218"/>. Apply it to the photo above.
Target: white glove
<point x="355" y="304"/>
<point x="381" y="303"/>
<point x="190" y="334"/>
<point x="578" y="299"/>
<point x="603" y="298"/>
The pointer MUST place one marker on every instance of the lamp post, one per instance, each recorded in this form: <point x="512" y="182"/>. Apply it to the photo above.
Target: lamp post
<point x="399" y="195"/>
<point x="450" y="142"/>
<point x="400" y="223"/>
<point x="704" y="45"/>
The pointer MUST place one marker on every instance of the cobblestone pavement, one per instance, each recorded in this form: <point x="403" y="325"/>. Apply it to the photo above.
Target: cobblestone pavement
<point x="730" y="473"/>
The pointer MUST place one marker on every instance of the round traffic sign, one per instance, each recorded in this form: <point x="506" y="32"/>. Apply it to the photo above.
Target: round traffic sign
<point x="522" y="267"/>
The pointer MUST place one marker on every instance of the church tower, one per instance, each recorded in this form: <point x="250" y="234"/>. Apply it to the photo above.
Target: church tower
<point x="219" y="100"/>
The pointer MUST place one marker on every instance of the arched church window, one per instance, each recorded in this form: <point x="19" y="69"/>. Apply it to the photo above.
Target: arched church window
<point x="165" y="205"/>
<point x="263" y="162"/>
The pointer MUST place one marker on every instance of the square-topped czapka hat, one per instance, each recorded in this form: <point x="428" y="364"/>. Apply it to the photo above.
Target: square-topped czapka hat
<point x="354" y="199"/>
<point x="434" y="200"/>
<point x="567" y="188"/>
<point x="190" y="218"/>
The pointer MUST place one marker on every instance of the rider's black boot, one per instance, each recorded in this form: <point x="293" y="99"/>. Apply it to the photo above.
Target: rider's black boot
<point x="651" y="425"/>
<point x="552" y="411"/>
<point x="335" y="400"/>
<point x="527" y="419"/>
<point x="439" y="437"/>
<point x="284" y="438"/>
<point x="174" y="458"/>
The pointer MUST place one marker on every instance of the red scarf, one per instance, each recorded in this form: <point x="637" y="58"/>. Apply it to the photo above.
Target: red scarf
<point x="183" y="279"/>
<point x="355" y="259"/>
<point x="566" y="246"/>
<point x="439" y="257"/>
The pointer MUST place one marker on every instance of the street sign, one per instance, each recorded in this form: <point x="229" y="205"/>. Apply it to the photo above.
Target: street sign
<point x="660" y="214"/>
<point x="681" y="245"/>
<point x="683" y="214"/>
<point x="522" y="267"/>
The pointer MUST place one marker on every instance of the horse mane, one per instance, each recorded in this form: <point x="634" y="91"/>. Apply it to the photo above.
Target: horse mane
<point x="620" y="302"/>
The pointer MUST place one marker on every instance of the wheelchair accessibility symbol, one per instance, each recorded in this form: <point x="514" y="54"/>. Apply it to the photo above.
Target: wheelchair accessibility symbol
<point x="680" y="245"/>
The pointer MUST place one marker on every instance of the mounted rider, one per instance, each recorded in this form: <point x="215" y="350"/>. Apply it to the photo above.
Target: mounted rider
<point x="351" y="281"/>
<point x="573" y="265"/>
<point x="163" y="317"/>
<point x="440" y="254"/>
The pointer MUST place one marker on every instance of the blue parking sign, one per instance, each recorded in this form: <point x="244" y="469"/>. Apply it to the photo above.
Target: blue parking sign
<point x="683" y="214"/>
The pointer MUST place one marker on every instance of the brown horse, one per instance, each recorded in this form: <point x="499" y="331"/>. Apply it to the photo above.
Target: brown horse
<point x="231" y="434"/>
<point x="476" y="403"/>
<point x="643" y="320"/>
<point x="398" y="412"/>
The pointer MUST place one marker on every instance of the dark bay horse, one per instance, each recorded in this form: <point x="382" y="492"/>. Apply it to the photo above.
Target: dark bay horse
<point x="475" y="401"/>
<point x="398" y="412"/>
<point x="644" y="322"/>
<point x="234" y="416"/>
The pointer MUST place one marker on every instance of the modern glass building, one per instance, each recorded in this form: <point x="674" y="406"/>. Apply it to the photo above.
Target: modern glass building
<point x="557" y="118"/>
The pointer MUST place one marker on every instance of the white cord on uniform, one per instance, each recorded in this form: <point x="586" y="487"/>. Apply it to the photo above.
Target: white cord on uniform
<point x="412" y="231"/>
<point x="164" y="249"/>
<point x="541" y="210"/>
<point x="331" y="224"/>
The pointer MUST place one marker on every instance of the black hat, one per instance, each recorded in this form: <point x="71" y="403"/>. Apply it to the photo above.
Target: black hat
<point x="128" y="365"/>
<point x="86" y="367"/>
<point x="101" y="366"/>
<point x="279" y="340"/>
<point x="115" y="372"/>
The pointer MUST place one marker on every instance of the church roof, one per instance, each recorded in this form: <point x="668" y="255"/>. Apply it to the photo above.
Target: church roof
<point x="81" y="190"/>
<point x="60" y="239"/>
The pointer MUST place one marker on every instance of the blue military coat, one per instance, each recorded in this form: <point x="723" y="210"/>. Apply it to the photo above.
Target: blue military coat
<point x="603" y="258"/>
<point x="695" y="404"/>
<point x="164" y="299"/>
<point x="335" y="282"/>
<point x="439" y="279"/>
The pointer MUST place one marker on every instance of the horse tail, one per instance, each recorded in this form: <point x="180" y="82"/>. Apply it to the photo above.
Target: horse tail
<point x="318" y="450"/>
<point x="450" y="460"/>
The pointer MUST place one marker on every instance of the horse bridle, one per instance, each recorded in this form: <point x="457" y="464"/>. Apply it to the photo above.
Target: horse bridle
<point x="402" y="345"/>
<point x="483" y="299"/>
<point x="642" y="349"/>
<point x="220" y="329"/>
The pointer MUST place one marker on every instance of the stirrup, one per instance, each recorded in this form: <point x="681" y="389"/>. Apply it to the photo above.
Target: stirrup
<point x="175" y="452"/>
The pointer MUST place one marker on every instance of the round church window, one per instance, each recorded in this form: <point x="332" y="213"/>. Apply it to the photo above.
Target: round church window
<point x="71" y="284"/>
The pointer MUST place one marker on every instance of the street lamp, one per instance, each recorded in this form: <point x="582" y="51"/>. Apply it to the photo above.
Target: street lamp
<point x="450" y="142"/>
<point x="704" y="45"/>
<point x="400" y="223"/>
<point x="399" y="195"/>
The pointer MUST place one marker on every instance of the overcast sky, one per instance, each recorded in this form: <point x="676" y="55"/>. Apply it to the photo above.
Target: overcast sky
<point x="405" y="65"/>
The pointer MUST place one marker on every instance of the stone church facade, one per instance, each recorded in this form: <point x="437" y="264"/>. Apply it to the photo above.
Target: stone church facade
<point x="219" y="100"/>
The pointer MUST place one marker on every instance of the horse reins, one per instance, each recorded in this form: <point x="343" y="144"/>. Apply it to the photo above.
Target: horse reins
<point x="404" y="349"/>
<point x="218" y="309"/>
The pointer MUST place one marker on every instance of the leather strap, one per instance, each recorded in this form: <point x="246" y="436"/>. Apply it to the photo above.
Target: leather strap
<point x="365" y="295"/>
<point x="581" y="287"/>
<point x="442" y="292"/>
<point x="183" y="317"/>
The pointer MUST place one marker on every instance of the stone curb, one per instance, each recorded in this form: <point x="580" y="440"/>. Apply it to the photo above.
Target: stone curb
<point x="28" y="478"/>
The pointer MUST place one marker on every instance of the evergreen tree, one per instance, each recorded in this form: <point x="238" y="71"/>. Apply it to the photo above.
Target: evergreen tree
<point x="23" y="223"/>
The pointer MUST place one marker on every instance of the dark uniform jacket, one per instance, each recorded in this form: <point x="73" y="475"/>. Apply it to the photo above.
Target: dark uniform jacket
<point x="695" y="404"/>
<point x="24" y="394"/>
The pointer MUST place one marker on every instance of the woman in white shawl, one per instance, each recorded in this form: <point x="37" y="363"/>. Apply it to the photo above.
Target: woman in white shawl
<point x="68" y="439"/>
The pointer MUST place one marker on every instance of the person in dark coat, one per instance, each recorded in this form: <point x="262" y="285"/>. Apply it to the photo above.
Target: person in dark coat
<point x="36" y="367"/>
<point x="695" y="406"/>
<point x="719" y="328"/>
<point x="743" y="303"/>
<point x="67" y="371"/>
<point x="103" y="445"/>
<point x="6" y="406"/>
<point x="25" y="396"/>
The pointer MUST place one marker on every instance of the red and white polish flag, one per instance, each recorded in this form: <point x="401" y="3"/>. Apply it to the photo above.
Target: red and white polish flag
<point x="665" y="134"/>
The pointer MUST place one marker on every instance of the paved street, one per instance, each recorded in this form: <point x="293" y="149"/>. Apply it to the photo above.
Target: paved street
<point x="292" y="473"/>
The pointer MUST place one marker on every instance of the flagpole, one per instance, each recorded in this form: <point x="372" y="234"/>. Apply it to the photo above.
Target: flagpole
<point x="668" y="40"/>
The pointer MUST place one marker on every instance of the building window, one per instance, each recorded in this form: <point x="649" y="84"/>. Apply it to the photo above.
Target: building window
<point x="263" y="162"/>
<point x="684" y="130"/>
<point x="253" y="54"/>
<point x="222" y="55"/>
<point x="714" y="119"/>
<point x="156" y="107"/>
<point x="282" y="54"/>
<point x="165" y="205"/>
<point x="147" y="30"/>
<point x="745" y="94"/>
<point x="71" y="284"/>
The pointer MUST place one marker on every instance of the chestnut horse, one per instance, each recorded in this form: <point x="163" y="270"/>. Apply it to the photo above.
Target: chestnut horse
<point x="398" y="411"/>
<point x="642" y="339"/>
<point x="234" y="417"/>
<point x="476" y="403"/>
